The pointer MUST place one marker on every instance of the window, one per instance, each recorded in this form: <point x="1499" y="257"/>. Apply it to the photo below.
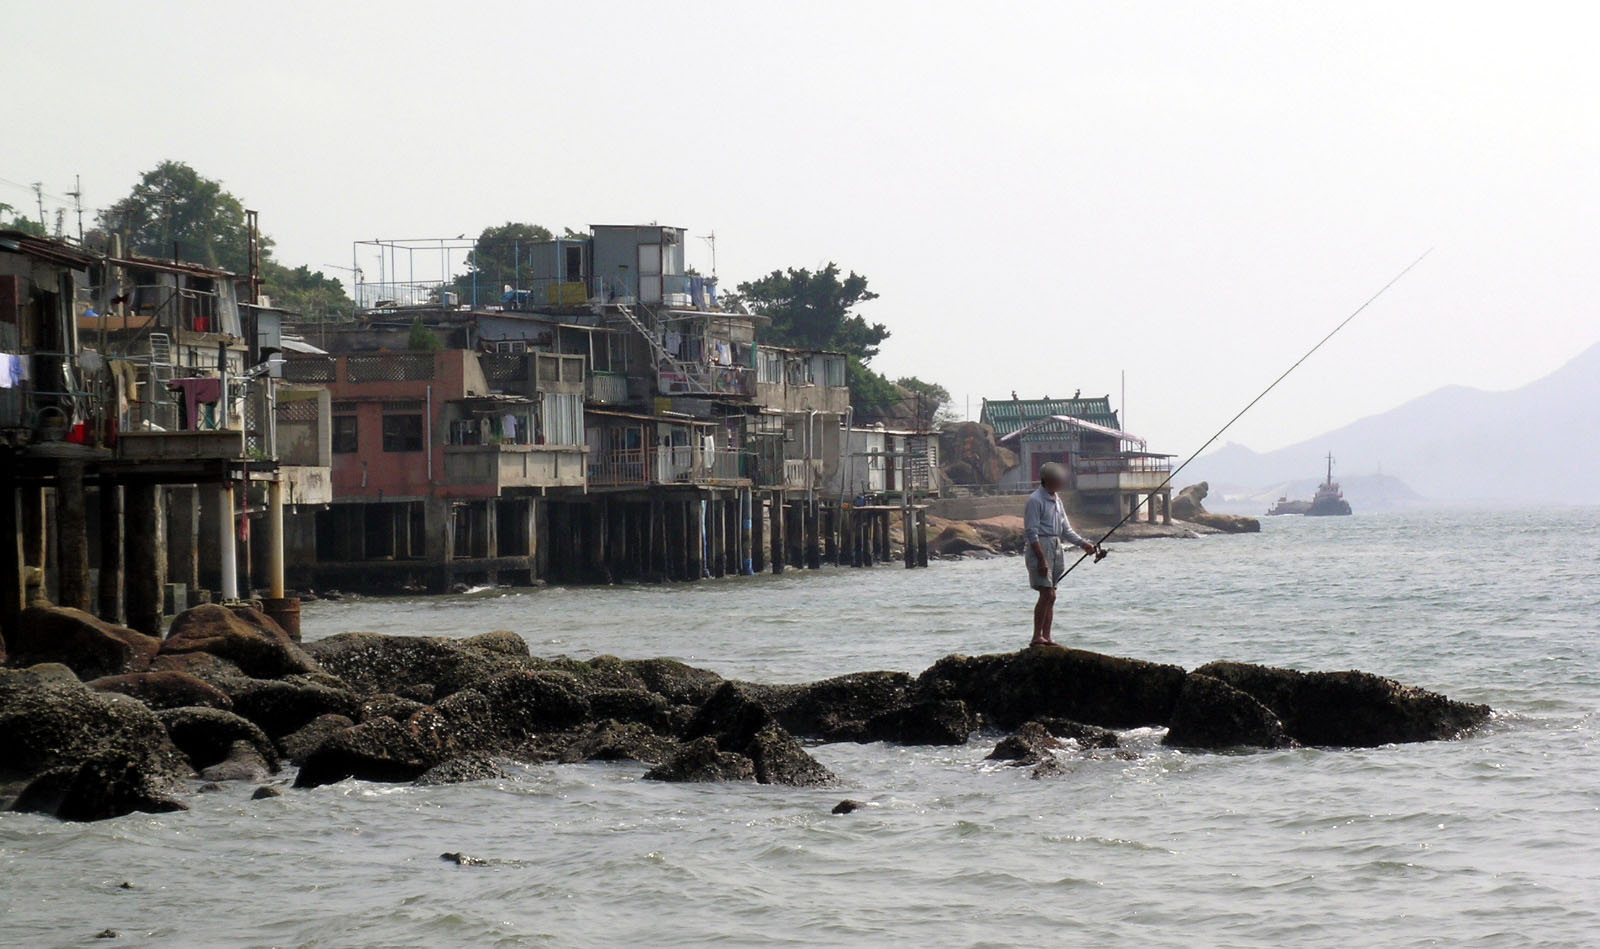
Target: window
<point x="563" y="418"/>
<point x="833" y="371"/>
<point x="402" y="433"/>
<point x="346" y="437"/>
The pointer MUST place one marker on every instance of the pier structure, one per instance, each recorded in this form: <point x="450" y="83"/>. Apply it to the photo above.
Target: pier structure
<point x="599" y="417"/>
<point x="140" y="426"/>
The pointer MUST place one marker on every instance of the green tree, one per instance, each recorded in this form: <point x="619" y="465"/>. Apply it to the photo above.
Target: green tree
<point x="871" y="394"/>
<point x="309" y="293"/>
<point x="421" y="338"/>
<point x="12" y="221"/>
<point x="501" y="257"/>
<point x="174" y="204"/>
<point x="928" y="400"/>
<point x="815" y="310"/>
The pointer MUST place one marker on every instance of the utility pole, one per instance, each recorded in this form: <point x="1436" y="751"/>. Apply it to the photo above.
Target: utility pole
<point x="38" y="193"/>
<point x="76" y="194"/>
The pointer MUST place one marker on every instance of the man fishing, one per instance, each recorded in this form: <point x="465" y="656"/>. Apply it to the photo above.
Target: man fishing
<point x="1045" y="530"/>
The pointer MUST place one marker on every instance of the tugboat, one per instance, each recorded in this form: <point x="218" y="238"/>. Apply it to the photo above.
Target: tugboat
<point x="1329" y="500"/>
<point x="1285" y="506"/>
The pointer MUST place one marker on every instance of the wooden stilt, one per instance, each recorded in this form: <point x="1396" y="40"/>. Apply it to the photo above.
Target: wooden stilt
<point x="146" y="571"/>
<point x="72" y="533"/>
<point x="110" y="598"/>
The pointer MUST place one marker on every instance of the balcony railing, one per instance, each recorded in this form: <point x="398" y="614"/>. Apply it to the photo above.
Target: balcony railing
<point x="686" y="379"/>
<point x="675" y="464"/>
<point x="608" y="388"/>
<point x="1123" y="464"/>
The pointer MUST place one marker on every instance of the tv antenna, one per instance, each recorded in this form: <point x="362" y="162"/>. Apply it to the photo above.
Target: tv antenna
<point x="712" y="240"/>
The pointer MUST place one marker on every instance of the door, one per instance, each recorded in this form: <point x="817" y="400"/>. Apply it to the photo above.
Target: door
<point x="649" y="273"/>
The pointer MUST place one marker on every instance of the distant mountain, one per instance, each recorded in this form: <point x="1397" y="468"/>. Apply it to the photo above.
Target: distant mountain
<point x="1539" y="443"/>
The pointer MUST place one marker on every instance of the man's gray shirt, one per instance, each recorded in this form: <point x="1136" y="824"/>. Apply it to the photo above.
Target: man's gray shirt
<point x="1044" y="517"/>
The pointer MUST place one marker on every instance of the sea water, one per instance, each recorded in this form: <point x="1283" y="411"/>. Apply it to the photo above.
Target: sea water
<point x="1491" y="840"/>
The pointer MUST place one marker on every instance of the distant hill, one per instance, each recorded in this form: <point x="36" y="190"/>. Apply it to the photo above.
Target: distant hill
<point x="1539" y="443"/>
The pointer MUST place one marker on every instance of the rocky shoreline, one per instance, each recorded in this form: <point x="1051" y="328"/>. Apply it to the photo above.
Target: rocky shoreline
<point x="97" y="720"/>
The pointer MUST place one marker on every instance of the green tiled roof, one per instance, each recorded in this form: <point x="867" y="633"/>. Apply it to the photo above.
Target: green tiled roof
<point x="1007" y="415"/>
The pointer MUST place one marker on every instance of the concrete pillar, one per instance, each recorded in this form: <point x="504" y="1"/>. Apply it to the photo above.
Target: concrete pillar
<point x="183" y="537"/>
<point x="758" y="533"/>
<point x="779" y="542"/>
<point x="146" y="568"/>
<point x="72" y="533"/>
<point x="491" y="527"/>
<point x="1150" y="508"/>
<point x="1166" y="506"/>
<point x="922" y="537"/>
<point x="908" y="539"/>
<point x="225" y="542"/>
<point x="275" y="539"/>
<point x="110" y="598"/>
<point x="813" y="514"/>
<point x="695" y="512"/>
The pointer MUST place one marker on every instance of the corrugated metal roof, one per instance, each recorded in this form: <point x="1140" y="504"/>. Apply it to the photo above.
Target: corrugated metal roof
<point x="1066" y="422"/>
<point x="1007" y="415"/>
<point x="42" y="248"/>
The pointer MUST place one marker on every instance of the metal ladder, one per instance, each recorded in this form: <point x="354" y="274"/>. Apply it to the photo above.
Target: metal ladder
<point x="656" y="345"/>
<point x="161" y="357"/>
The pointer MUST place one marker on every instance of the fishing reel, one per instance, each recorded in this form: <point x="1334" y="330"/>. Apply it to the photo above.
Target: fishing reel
<point x="1100" y="553"/>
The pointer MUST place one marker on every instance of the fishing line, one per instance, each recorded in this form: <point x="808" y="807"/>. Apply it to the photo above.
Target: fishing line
<point x="1175" y="472"/>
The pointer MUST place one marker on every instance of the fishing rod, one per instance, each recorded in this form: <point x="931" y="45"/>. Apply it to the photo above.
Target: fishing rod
<point x="1100" y="554"/>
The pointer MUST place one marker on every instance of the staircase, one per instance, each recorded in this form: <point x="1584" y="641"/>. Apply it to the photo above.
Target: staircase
<point x="656" y="346"/>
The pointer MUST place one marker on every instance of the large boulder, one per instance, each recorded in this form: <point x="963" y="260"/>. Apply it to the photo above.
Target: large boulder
<point x="299" y="744"/>
<point x="1214" y="714"/>
<point x="619" y="741"/>
<point x="476" y="767"/>
<point x="242" y="635"/>
<point x="969" y="454"/>
<point x="161" y="690"/>
<point x="930" y="722"/>
<point x="1030" y="744"/>
<point x="1349" y="709"/>
<point x="99" y="788"/>
<point x="1187" y="506"/>
<point x="208" y="735"/>
<point x="831" y="707"/>
<point x="1054" y="682"/>
<point x="417" y="665"/>
<point x="82" y="642"/>
<point x="779" y="759"/>
<point x="379" y="750"/>
<point x="678" y="683"/>
<point x="741" y="725"/>
<point x="78" y="753"/>
<point x="283" y="706"/>
<point x="703" y="760"/>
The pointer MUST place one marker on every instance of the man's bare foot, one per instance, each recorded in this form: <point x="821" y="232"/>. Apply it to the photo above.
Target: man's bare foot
<point x="1040" y="642"/>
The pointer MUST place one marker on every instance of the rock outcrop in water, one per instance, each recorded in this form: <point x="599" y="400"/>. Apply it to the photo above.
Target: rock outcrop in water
<point x="1187" y="506"/>
<point x="227" y="697"/>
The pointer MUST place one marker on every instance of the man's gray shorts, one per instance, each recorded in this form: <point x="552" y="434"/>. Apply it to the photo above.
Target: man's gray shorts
<point x="1043" y="576"/>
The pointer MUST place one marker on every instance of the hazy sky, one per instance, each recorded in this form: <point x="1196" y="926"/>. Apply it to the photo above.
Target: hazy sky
<point x="1045" y="195"/>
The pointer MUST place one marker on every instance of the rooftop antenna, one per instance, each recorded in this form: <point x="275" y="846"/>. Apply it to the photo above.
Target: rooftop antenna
<point x="76" y="194"/>
<point x="712" y="240"/>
